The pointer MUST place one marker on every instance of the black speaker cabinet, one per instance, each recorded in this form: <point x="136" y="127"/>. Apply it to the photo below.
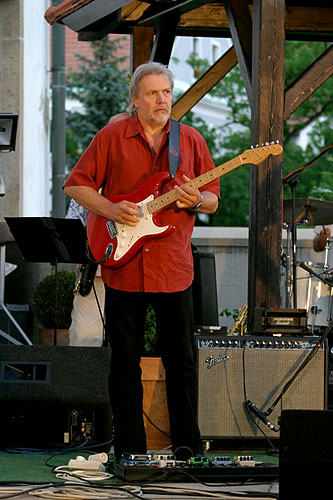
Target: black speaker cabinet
<point x="234" y="369"/>
<point x="54" y="396"/>
<point x="306" y="457"/>
<point x="204" y="290"/>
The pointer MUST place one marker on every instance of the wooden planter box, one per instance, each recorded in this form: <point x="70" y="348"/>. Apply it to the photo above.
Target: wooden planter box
<point x="155" y="403"/>
<point x="46" y="337"/>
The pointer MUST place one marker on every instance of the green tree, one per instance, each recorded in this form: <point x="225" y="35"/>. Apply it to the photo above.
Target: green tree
<point x="234" y="136"/>
<point x="100" y="86"/>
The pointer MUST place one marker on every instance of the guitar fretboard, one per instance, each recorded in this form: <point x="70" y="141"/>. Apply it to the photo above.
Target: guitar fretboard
<point x="167" y="198"/>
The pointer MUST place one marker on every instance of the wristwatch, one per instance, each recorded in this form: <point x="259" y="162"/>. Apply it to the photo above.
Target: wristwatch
<point x="198" y="205"/>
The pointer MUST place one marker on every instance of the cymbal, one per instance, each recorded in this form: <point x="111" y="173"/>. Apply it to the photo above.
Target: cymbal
<point x="316" y="212"/>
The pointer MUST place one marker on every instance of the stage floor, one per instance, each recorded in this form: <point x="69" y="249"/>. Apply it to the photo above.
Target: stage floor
<point x="22" y="472"/>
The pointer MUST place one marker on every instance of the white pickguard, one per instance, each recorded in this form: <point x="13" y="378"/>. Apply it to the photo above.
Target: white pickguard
<point x="127" y="236"/>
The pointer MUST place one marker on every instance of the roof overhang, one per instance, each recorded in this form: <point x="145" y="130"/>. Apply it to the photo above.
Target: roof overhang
<point x="93" y="19"/>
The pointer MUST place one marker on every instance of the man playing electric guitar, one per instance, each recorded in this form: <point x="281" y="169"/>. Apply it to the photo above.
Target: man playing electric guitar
<point x="122" y="159"/>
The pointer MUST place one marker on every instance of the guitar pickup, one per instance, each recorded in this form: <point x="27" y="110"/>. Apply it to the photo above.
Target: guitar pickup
<point x="112" y="229"/>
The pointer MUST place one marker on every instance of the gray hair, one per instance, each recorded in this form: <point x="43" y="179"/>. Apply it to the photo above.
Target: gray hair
<point x="148" y="68"/>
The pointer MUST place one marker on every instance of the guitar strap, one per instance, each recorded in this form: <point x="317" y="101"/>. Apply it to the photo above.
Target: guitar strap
<point x="174" y="147"/>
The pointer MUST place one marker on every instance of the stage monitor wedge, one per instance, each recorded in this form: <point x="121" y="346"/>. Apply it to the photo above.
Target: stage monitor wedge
<point x="306" y="458"/>
<point x="54" y="396"/>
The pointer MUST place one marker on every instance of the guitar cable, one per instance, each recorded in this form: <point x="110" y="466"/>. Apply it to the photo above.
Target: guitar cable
<point x="107" y="255"/>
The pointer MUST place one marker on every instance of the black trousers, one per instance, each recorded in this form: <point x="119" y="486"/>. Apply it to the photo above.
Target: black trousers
<point x="125" y="320"/>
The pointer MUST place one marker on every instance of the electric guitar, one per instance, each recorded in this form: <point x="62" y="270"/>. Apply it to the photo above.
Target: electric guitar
<point x="114" y="244"/>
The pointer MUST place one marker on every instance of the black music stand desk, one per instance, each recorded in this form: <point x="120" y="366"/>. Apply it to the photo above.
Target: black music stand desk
<point x="51" y="240"/>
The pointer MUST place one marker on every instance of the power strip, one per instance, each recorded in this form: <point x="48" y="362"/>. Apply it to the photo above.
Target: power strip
<point x="92" y="465"/>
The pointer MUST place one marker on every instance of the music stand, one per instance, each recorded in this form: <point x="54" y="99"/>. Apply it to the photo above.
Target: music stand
<point x="5" y="238"/>
<point x="51" y="240"/>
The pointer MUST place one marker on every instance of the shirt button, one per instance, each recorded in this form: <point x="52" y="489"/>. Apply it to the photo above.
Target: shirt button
<point x="146" y="249"/>
<point x="156" y="167"/>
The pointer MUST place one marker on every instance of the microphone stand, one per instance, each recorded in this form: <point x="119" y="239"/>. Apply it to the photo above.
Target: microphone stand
<point x="292" y="181"/>
<point x="300" y="368"/>
<point x="263" y="415"/>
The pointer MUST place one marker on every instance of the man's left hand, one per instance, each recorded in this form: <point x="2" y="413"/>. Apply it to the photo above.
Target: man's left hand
<point x="188" y="197"/>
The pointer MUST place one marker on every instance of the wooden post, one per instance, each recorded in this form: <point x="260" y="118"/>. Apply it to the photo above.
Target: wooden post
<point x="266" y="178"/>
<point x="141" y="45"/>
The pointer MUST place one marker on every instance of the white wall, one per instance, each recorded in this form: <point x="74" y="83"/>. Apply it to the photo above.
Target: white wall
<point x="230" y="248"/>
<point x="37" y="170"/>
<point x="209" y="109"/>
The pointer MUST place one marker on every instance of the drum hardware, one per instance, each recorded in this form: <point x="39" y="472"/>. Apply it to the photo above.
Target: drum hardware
<point x="319" y="276"/>
<point x="287" y="262"/>
<point x="329" y="239"/>
<point x="314" y="309"/>
<point x="292" y="181"/>
<point x="319" y="295"/>
<point x="299" y="211"/>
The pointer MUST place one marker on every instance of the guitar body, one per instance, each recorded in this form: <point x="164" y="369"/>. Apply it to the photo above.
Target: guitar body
<point x="127" y="240"/>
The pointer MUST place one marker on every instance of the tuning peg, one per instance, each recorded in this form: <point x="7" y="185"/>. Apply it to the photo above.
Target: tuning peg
<point x="252" y="147"/>
<point x="257" y="145"/>
<point x="266" y="143"/>
<point x="277" y="142"/>
<point x="272" y="142"/>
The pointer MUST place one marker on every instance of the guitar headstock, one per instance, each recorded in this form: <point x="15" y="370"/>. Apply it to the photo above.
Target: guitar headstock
<point x="258" y="154"/>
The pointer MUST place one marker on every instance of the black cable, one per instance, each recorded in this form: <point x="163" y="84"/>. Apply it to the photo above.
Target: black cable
<point x="100" y="313"/>
<point x="41" y="451"/>
<point x="243" y="483"/>
<point x="198" y="493"/>
<point x="36" y="451"/>
<point x="154" y="425"/>
<point x="289" y="176"/>
<point x="311" y="354"/>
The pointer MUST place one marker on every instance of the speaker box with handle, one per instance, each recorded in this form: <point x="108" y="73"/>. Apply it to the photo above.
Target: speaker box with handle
<point x="234" y="369"/>
<point x="204" y="289"/>
<point x="54" y="396"/>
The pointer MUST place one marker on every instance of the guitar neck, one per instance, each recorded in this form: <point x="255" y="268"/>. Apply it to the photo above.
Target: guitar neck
<point x="170" y="197"/>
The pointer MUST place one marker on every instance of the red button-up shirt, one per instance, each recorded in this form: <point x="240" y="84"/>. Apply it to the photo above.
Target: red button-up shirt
<point x="120" y="159"/>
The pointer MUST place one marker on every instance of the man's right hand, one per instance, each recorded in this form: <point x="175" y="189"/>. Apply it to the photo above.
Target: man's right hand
<point x="125" y="212"/>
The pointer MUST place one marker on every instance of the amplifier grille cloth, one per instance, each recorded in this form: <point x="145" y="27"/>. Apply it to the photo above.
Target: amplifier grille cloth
<point x="224" y="371"/>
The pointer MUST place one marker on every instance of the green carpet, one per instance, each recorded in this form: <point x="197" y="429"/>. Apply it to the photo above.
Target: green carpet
<point x="37" y="468"/>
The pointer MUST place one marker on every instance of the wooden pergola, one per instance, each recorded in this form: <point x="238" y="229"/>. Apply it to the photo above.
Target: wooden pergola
<point x="258" y="29"/>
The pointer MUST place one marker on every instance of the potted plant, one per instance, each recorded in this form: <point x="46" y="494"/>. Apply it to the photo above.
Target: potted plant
<point x="156" y="415"/>
<point x="54" y="293"/>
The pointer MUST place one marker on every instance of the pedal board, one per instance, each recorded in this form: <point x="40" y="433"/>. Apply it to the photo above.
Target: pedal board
<point x="224" y="470"/>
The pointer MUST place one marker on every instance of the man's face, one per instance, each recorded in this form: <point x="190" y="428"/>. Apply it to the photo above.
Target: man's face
<point x="154" y="99"/>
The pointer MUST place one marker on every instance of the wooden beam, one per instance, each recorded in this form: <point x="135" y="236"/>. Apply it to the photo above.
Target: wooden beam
<point x="240" y="23"/>
<point x="266" y="178"/>
<point x="211" y="15"/>
<point x="141" y="45"/>
<point x="165" y="37"/>
<point x="202" y="86"/>
<point x="134" y="10"/>
<point x="307" y="83"/>
<point x="160" y="8"/>
<point x="298" y="19"/>
<point x="309" y="18"/>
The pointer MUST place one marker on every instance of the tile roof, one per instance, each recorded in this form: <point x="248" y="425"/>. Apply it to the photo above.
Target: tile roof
<point x="54" y="14"/>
